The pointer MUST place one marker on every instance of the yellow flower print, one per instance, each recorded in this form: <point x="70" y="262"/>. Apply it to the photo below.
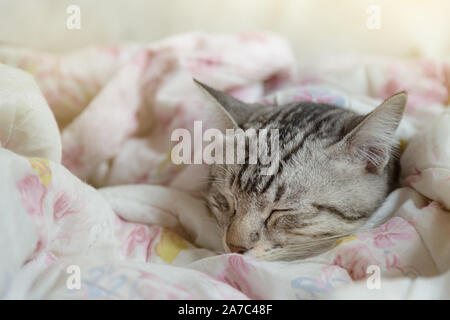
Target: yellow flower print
<point x="42" y="167"/>
<point x="346" y="239"/>
<point x="170" y="245"/>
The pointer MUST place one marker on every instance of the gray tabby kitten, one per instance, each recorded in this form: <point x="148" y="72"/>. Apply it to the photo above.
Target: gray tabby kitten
<point x="336" y="169"/>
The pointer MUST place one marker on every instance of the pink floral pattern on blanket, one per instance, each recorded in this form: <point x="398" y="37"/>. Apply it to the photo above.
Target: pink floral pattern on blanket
<point x="141" y="238"/>
<point x="388" y="234"/>
<point x="236" y="274"/>
<point x="32" y="193"/>
<point x="383" y="246"/>
<point x="60" y="207"/>
<point x="145" y="94"/>
<point x="425" y="80"/>
<point x="63" y="206"/>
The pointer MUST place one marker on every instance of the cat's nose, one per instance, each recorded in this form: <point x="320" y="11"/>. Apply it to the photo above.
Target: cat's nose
<point x="237" y="249"/>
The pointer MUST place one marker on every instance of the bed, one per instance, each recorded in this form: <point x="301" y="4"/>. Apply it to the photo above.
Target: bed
<point x="92" y="207"/>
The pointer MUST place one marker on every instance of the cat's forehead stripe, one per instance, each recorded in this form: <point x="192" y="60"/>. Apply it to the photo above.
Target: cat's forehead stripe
<point x="297" y="124"/>
<point x="315" y="129"/>
<point x="280" y="191"/>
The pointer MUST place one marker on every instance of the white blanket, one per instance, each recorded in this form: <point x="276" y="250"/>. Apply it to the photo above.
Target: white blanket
<point x="146" y="234"/>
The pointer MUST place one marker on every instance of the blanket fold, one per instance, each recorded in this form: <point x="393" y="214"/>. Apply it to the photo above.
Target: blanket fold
<point x="144" y="232"/>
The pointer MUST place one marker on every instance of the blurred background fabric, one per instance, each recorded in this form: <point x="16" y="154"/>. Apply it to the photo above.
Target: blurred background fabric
<point x="408" y="28"/>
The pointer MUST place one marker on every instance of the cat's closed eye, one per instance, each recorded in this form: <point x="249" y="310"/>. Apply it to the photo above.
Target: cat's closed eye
<point x="279" y="217"/>
<point x="221" y="203"/>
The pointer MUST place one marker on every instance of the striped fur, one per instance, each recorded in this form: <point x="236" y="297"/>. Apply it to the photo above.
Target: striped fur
<point x="336" y="169"/>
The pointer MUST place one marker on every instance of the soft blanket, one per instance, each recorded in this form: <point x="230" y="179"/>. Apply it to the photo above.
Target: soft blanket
<point x="91" y="206"/>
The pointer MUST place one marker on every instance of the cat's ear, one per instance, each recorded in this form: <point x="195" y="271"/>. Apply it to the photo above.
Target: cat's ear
<point x="373" y="139"/>
<point x="232" y="111"/>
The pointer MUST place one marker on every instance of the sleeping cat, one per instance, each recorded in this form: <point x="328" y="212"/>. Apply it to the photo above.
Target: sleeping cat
<point x="336" y="169"/>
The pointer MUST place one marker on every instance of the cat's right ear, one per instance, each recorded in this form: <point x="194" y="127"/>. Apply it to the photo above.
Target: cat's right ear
<point x="373" y="139"/>
<point x="232" y="112"/>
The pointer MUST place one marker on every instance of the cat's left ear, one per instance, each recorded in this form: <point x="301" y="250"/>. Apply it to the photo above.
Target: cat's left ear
<point x="232" y="111"/>
<point x="373" y="139"/>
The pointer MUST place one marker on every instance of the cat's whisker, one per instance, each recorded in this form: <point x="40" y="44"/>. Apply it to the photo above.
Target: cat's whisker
<point x="207" y="180"/>
<point x="224" y="169"/>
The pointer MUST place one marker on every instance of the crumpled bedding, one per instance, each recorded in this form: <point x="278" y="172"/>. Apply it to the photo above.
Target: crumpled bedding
<point x="87" y="180"/>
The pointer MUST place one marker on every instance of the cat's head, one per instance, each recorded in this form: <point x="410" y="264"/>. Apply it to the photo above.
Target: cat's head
<point x="336" y="168"/>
